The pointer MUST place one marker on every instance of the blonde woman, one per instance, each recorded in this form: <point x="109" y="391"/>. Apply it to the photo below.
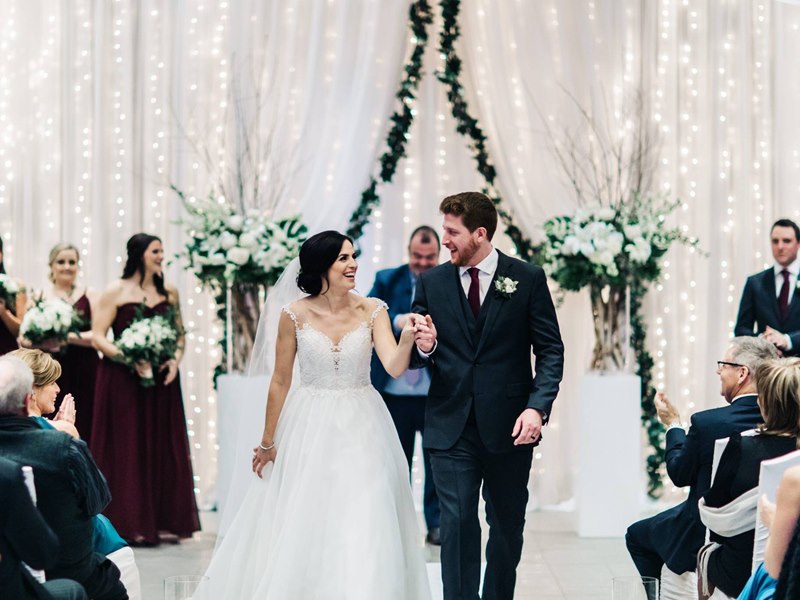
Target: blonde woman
<point x="46" y="372"/>
<point x="78" y="357"/>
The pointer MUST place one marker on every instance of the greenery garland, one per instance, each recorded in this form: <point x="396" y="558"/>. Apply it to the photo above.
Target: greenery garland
<point x="644" y="361"/>
<point x="468" y="126"/>
<point x="420" y="17"/>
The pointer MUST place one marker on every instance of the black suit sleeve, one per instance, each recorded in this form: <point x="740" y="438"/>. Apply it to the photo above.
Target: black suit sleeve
<point x="547" y="345"/>
<point x="88" y="482"/>
<point x="420" y="306"/>
<point x="27" y="532"/>
<point x="746" y="318"/>
<point x="683" y="455"/>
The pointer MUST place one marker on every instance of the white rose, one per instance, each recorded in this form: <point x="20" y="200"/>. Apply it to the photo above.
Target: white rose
<point x="614" y="242"/>
<point x="632" y="231"/>
<point x="238" y="255"/>
<point x="606" y="213"/>
<point x="639" y="251"/>
<point x="571" y="246"/>
<point x="235" y="222"/>
<point x="250" y="241"/>
<point x="227" y="240"/>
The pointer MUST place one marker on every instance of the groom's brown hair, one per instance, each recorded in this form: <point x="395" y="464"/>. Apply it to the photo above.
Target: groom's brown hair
<point x="475" y="210"/>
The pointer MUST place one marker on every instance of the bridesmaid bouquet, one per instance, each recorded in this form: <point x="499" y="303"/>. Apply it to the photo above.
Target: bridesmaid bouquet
<point x="48" y="323"/>
<point x="8" y="290"/>
<point x="148" y="339"/>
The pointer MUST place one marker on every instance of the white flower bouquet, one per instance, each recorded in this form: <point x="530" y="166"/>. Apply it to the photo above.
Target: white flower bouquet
<point x="49" y="322"/>
<point x="228" y="247"/>
<point x="609" y="246"/>
<point x="148" y="339"/>
<point x="8" y="290"/>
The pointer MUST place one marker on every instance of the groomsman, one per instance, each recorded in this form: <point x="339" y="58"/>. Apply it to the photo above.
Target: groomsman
<point x="405" y="396"/>
<point x="770" y="306"/>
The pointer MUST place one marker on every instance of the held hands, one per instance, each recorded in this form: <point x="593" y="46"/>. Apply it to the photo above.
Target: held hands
<point x="528" y="427"/>
<point x="261" y="457"/>
<point x="667" y="413"/>
<point x="67" y="410"/>
<point x="424" y="332"/>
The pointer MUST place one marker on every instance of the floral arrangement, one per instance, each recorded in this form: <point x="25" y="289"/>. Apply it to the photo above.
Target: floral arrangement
<point x="228" y="247"/>
<point x="603" y="246"/>
<point x="8" y="290"/>
<point x="148" y="339"/>
<point x="50" y="322"/>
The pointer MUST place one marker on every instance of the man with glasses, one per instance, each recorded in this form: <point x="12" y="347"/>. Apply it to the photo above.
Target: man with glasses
<point x="770" y="306"/>
<point x="674" y="536"/>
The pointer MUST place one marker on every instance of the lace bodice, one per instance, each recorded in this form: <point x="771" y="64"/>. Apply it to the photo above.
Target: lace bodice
<point x="327" y="364"/>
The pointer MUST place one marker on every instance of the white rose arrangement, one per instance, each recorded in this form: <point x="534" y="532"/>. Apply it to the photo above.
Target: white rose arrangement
<point x="227" y="247"/>
<point x="148" y="339"/>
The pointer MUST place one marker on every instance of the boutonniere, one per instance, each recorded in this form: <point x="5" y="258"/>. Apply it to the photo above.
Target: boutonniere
<point x="504" y="287"/>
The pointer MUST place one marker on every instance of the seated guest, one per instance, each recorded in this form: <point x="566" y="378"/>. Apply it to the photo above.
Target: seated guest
<point x="782" y="554"/>
<point x="25" y="537"/>
<point x="46" y="370"/>
<point x="729" y="508"/>
<point x="674" y="536"/>
<point x="70" y="489"/>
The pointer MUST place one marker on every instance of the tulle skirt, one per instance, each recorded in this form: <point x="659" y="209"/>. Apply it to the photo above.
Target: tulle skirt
<point x="333" y="517"/>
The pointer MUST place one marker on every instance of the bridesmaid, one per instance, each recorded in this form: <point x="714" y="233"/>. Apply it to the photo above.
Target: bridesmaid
<point x="78" y="358"/>
<point x="10" y="316"/>
<point x="139" y="437"/>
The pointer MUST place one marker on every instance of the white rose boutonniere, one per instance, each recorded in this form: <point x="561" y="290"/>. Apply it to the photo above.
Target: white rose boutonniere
<point x="505" y="286"/>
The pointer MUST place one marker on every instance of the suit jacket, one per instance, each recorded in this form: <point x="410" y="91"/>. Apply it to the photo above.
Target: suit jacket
<point x="24" y="537"/>
<point x="759" y="308"/>
<point x="393" y="286"/>
<point x="486" y="362"/>
<point x="678" y="532"/>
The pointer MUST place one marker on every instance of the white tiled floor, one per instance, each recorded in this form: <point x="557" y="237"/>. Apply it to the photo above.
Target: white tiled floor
<point x="555" y="562"/>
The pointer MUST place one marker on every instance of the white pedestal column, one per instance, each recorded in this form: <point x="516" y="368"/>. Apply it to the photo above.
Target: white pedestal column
<point x="609" y="476"/>
<point x="241" y="402"/>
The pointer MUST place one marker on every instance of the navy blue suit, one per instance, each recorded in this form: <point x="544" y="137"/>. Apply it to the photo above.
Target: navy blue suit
<point x="758" y="309"/>
<point x="394" y="287"/>
<point x="675" y="535"/>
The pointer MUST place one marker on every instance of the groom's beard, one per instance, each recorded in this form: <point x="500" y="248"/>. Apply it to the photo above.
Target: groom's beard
<point x="464" y="255"/>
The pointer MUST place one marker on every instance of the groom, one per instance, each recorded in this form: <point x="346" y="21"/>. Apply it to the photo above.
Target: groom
<point x="486" y="313"/>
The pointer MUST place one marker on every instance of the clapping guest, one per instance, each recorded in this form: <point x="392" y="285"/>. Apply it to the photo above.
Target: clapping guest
<point x="70" y="489"/>
<point x="674" y="536"/>
<point x="10" y="313"/>
<point x="729" y="508"/>
<point x="46" y="372"/>
<point x="139" y="436"/>
<point x="78" y="357"/>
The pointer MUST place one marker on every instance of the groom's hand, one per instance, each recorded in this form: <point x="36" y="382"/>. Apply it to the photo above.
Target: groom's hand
<point x="528" y="427"/>
<point x="425" y="336"/>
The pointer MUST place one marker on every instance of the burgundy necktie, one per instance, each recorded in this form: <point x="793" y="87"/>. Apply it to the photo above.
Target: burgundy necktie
<point x="474" y="293"/>
<point x="783" y="298"/>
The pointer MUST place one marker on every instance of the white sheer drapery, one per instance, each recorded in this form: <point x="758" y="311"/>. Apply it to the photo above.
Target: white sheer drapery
<point x="95" y="99"/>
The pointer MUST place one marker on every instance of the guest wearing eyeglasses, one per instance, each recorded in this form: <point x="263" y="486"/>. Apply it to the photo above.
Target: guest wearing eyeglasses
<point x="674" y="536"/>
<point x="770" y="304"/>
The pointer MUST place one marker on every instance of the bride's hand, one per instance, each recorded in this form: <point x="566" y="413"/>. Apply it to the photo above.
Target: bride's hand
<point x="261" y="458"/>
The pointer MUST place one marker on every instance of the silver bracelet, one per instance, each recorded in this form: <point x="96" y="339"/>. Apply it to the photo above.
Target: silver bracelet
<point x="268" y="448"/>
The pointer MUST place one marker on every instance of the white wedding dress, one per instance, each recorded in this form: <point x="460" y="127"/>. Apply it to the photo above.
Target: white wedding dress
<point x="333" y="518"/>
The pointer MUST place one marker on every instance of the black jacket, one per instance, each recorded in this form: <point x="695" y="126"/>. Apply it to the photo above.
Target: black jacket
<point x="758" y="309"/>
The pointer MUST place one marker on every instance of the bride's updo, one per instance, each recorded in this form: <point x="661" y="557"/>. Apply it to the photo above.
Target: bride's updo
<point x="317" y="254"/>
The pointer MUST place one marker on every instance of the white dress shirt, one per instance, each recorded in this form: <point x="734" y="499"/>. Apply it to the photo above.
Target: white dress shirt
<point x="793" y="269"/>
<point x="486" y="269"/>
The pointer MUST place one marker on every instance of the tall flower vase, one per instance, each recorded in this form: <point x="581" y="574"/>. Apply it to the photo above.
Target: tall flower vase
<point x="244" y="303"/>
<point x="611" y="317"/>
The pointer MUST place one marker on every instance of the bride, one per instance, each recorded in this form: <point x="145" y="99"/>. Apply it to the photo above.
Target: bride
<point x="330" y="515"/>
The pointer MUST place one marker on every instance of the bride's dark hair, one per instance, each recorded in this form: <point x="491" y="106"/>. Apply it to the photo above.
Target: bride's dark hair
<point x="317" y="254"/>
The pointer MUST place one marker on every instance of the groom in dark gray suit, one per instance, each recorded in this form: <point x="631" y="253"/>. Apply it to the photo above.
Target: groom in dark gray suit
<point x="486" y="313"/>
